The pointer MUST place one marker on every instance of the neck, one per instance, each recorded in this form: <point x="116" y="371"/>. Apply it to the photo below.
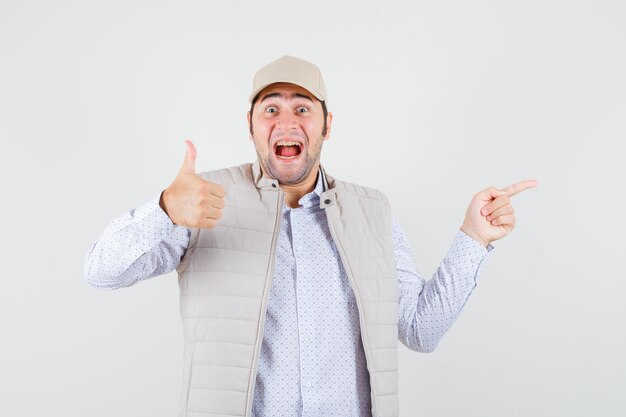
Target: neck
<point x="294" y="192"/>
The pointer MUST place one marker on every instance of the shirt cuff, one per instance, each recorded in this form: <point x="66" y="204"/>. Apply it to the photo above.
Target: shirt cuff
<point x="151" y="211"/>
<point x="470" y="242"/>
<point x="470" y="253"/>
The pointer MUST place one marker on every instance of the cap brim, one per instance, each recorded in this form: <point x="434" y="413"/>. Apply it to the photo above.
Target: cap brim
<point x="260" y="88"/>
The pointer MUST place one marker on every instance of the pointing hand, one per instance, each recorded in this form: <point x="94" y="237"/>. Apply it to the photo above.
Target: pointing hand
<point x="190" y="200"/>
<point x="490" y="215"/>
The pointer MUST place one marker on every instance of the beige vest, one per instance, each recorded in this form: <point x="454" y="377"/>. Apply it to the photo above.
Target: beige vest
<point x="226" y="275"/>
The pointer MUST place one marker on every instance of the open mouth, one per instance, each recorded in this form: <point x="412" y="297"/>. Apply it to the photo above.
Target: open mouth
<point x="285" y="149"/>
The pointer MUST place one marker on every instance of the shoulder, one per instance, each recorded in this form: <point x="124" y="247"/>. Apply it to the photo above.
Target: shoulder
<point x="359" y="190"/>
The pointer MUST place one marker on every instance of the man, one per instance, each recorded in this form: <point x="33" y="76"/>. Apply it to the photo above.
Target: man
<point x="294" y="286"/>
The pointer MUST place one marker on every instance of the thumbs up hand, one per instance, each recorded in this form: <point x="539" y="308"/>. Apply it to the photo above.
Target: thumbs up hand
<point x="190" y="200"/>
<point x="490" y="215"/>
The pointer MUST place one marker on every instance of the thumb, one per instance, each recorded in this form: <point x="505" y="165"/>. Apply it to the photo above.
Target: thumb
<point x="189" y="164"/>
<point x="490" y="193"/>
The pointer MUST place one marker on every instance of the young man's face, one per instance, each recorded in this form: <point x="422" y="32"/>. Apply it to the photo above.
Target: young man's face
<point x="287" y="123"/>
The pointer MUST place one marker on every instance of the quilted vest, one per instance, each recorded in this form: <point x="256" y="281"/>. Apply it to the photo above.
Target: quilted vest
<point x="225" y="278"/>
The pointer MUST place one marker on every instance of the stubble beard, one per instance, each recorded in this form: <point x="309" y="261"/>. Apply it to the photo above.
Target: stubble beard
<point x="297" y="176"/>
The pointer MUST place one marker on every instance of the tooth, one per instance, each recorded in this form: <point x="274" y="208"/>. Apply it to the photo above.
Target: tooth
<point x="287" y="143"/>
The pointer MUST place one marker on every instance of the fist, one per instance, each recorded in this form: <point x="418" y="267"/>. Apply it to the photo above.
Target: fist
<point x="490" y="215"/>
<point x="190" y="200"/>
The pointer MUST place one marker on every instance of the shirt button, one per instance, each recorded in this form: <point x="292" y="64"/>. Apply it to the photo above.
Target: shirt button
<point x="327" y="201"/>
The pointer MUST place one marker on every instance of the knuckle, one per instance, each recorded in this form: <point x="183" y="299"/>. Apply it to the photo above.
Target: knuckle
<point x="199" y="188"/>
<point x="197" y="206"/>
<point x="210" y="188"/>
<point x="486" y="190"/>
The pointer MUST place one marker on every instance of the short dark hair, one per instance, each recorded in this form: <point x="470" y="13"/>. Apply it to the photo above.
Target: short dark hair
<point x="324" y="110"/>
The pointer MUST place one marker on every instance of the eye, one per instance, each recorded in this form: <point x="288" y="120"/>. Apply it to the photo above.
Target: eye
<point x="271" y="109"/>
<point x="302" y="109"/>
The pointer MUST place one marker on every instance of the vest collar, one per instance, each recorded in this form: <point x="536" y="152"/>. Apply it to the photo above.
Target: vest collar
<point x="261" y="182"/>
<point x="265" y="183"/>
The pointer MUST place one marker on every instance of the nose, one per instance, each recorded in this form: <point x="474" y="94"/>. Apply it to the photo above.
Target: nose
<point x="287" y="121"/>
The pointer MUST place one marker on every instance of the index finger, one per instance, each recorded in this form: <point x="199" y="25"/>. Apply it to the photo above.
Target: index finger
<point x="518" y="187"/>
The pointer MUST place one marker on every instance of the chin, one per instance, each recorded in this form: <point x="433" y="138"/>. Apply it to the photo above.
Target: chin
<point x="289" y="173"/>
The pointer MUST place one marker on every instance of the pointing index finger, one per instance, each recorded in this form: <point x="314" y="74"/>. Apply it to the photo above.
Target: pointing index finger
<point x="518" y="187"/>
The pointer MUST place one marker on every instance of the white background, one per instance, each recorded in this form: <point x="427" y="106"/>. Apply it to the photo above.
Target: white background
<point x="433" y="102"/>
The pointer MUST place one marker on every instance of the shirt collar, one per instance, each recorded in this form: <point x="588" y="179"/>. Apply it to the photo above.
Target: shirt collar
<point x="313" y="197"/>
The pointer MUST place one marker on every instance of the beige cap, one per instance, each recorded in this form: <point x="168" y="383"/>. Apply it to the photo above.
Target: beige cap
<point x="289" y="69"/>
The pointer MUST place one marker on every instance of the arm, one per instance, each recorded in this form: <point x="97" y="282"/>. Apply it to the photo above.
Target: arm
<point x="152" y="240"/>
<point x="428" y="309"/>
<point x="140" y="244"/>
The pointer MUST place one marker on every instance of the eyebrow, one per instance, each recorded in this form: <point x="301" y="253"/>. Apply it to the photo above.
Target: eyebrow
<point x="278" y="95"/>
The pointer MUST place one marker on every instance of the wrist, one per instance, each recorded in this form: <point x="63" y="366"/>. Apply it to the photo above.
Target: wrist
<point x="470" y="232"/>
<point x="162" y="202"/>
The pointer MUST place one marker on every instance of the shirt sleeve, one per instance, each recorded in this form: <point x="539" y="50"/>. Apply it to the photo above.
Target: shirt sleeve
<point x="427" y="309"/>
<point x="140" y="244"/>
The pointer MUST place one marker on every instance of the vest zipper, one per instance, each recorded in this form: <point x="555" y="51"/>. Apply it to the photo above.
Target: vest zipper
<point x="266" y="292"/>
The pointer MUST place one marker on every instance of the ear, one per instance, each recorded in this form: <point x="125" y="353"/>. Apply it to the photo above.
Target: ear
<point x="329" y="122"/>
<point x="249" y="124"/>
